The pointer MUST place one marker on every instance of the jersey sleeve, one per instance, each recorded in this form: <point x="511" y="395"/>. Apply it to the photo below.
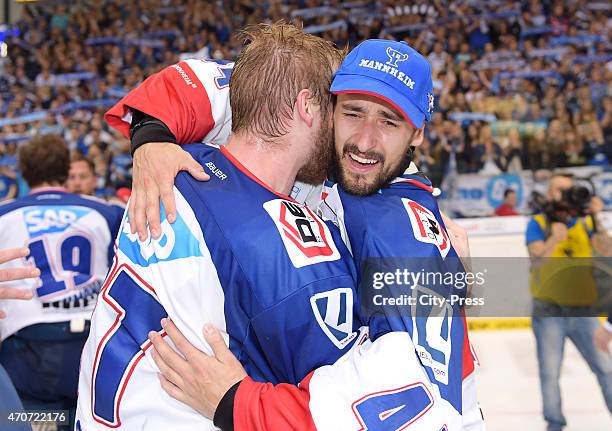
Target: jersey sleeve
<point x="378" y="385"/>
<point x="534" y="232"/>
<point x="190" y="97"/>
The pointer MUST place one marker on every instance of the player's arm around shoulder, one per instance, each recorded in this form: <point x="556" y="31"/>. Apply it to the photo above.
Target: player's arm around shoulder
<point x="197" y="92"/>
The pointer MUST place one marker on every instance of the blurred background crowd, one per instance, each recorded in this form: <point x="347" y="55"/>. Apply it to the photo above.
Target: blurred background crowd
<point x="519" y="85"/>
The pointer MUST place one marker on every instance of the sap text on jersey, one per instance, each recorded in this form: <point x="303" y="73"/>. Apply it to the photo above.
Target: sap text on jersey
<point x="45" y="219"/>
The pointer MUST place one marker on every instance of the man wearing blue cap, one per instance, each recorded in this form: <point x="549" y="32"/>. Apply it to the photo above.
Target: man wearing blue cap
<point x="384" y="96"/>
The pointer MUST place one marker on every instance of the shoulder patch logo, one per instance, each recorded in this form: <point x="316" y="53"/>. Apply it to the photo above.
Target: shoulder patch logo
<point x="334" y="313"/>
<point x="306" y="238"/>
<point x="426" y="227"/>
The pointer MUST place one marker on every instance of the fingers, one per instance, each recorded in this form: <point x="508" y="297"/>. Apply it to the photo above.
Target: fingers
<point x="152" y="209"/>
<point x="168" y="355"/>
<point x="132" y="211"/>
<point x="217" y="343"/>
<point x="172" y="390"/>
<point x="182" y="344"/>
<point x="167" y="197"/>
<point x="194" y="168"/>
<point x="138" y="220"/>
<point x="166" y="370"/>
<point x="12" y="293"/>
<point x="18" y="274"/>
<point x="13" y="253"/>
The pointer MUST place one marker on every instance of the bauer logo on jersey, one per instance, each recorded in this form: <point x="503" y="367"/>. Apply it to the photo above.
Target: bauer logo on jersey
<point x="334" y="313"/>
<point x="42" y="220"/>
<point x="306" y="238"/>
<point x="426" y="227"/>
<point x="176" y="242"/>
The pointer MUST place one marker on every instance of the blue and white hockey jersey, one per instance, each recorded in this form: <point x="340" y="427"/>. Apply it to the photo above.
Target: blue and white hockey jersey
<point x="267" y="271"/>
<point x="71" y="241"/>
<point x="410" y="372"/>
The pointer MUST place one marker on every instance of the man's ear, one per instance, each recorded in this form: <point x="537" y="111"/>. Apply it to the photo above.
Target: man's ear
<point x="305" y="107"/>
<point x="417" y="136"/>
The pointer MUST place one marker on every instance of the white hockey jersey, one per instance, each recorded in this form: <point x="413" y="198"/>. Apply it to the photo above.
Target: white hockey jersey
<point x="71" y="241"/>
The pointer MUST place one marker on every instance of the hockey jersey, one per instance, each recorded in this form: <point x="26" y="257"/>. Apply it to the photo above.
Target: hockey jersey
<point x="169" y="97"/>
<point x="411" y="370"/>
<point x="266" y="270"/>
<point x="71" y="241"/>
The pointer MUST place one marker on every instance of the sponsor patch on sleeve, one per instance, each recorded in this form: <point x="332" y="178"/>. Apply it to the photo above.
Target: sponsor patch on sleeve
<point x="306" y="237"/>
<point x="426" y="227"/>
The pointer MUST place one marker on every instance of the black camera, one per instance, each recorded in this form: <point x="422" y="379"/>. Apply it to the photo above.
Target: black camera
<point x="575" y="202"/>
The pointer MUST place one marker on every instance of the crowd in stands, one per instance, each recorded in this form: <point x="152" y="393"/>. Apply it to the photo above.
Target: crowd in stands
<point x="518" y="85"/>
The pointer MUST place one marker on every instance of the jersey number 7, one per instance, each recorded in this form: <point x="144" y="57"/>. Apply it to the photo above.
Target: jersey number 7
<point x="125" y="343"/>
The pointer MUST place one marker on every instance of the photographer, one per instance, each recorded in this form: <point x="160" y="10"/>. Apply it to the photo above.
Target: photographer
<point x="561" y="241"/>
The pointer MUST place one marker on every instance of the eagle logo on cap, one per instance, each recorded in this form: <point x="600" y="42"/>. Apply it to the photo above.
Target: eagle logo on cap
<point x="395" y="57"/>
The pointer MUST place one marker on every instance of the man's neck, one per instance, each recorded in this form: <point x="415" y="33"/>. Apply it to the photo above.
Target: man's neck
<point x="45" y="186"/>
<point x="275" y="167"/>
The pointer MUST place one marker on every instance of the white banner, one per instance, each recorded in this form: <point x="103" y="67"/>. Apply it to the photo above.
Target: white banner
<point x="477" y="195"/>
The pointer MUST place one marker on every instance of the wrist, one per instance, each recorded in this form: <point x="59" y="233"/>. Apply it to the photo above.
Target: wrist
<point x="224" y="413"/>
<point x="145" y="129"/>
<point x="147" y="133"/>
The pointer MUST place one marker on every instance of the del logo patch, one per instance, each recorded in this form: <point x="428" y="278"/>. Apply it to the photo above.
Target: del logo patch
<point x="306" y="238"/>
<point x="426" y="227"/>
<point x="334" y="313"/>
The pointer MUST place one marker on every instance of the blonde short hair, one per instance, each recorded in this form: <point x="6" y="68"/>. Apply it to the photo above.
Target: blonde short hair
<point x="278" y="62"/>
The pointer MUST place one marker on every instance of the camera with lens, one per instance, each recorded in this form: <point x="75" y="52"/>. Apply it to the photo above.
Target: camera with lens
<point x="575" y="202"/>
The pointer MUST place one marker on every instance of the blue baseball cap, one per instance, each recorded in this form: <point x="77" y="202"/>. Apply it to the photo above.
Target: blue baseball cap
<point x="392" y="71"/>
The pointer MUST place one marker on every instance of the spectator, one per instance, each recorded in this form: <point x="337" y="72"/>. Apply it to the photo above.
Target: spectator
<point x="508" y="206"/>
<point x="488" y="154"/>
<point x="115" y="45"/>
<point x="81" y="177"/>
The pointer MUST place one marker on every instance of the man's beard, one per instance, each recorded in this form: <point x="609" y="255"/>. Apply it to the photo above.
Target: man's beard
<point x="315" y="171"/>
<point x="357" y="184"/>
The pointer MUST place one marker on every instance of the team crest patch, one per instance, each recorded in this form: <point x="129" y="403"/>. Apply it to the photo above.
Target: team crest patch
<point x="306" y="238"/>
<point x="334" y="313"/>
<point x="426" y="227"/>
